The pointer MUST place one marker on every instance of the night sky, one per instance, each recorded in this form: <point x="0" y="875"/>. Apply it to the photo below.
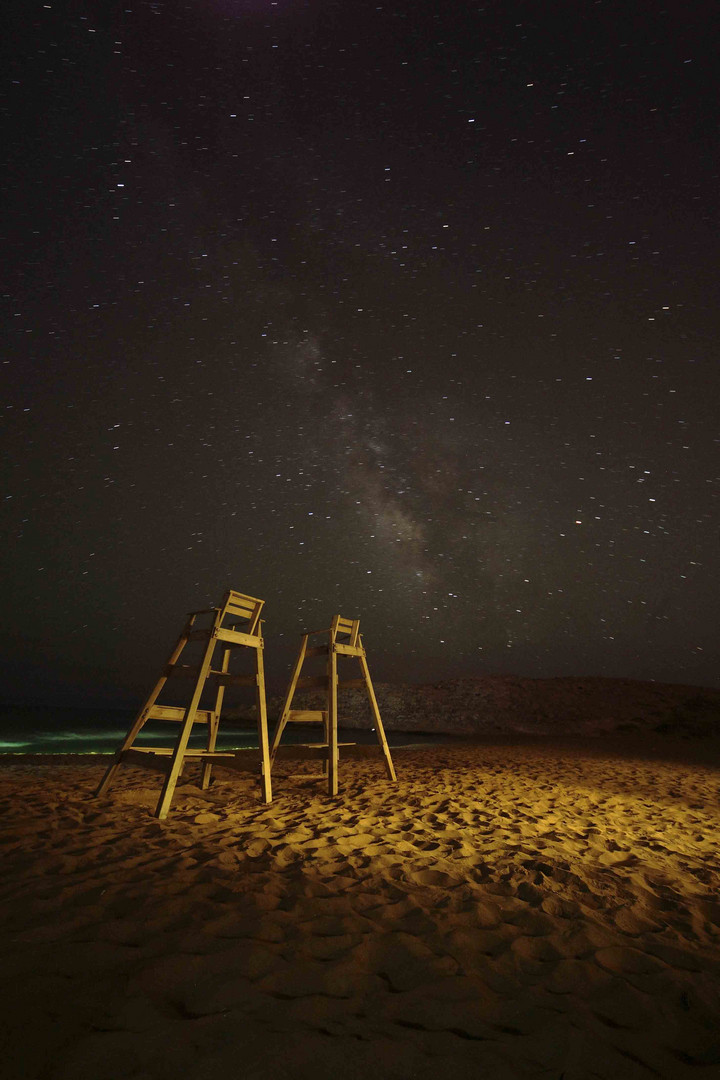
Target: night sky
<point x="402" y="310"/>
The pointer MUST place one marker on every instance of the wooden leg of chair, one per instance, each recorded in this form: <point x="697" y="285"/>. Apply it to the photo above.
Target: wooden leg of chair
<point x="109" y="774"/>
<point x="214" y="726"/>
<point x="127" y="742"/>
<point x="265" y="763"/>
<point x="326" y="737"/>
<point x="137" y="726"/>
<point x="332" y="725"/>
<point x="289" y="697"/>
<point x="206" y="766"/>
<point x="178" y="754"/>
<point x="389" y="767"/>
<point x="141" y="718"/>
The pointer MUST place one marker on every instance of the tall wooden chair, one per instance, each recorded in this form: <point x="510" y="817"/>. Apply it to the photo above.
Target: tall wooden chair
<point x="241" y="609"/>
<point x="343" y="640"/>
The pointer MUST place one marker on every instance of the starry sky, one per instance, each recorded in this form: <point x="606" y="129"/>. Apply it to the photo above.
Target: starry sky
<point x="402" y="310"/>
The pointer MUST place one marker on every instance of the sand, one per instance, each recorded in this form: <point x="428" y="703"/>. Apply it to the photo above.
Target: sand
<point x="533" y="910"/>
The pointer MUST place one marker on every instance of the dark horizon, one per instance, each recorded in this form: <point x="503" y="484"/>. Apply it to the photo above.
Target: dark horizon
<point x="84" y="694"/>
<point x="405" y="312"/>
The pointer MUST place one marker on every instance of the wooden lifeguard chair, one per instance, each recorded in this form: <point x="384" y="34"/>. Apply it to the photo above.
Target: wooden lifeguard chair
<point x="343" y="639"/>
<point x="244" y="610"/>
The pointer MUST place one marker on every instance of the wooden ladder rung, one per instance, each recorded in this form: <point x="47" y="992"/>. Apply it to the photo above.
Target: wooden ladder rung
<point x="147" y="758"/>
<point x="235" y="638"/>
<point x="306" y="716"/>
<point x="176" y="713"/>
<point x="211" y="754"/>
<point x="321" y="745"/>
<point x="190" y="752"/>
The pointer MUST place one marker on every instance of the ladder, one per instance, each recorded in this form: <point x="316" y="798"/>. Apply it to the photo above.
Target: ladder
<point x="343" y="640"/>
<point x="241" y="609"/>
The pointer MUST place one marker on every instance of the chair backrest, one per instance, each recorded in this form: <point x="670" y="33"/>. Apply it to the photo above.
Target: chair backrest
<point x="347" y="628"/>
<point x="239" y="606"/>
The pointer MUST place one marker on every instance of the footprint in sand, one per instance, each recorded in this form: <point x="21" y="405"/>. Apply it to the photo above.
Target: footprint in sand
<point x="624" y="960"/>
<point x="535" y="948"/>
<point x="435" y="878"/>
<point x="287" y="856"/>
<point x="710" y="910"/>
<point x="470" y="946"/>
<point x="255" y="848"/>
<point x="633" y="920"/>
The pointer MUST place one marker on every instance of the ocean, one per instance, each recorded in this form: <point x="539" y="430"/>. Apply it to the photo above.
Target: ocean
<point x="41" y="729"/>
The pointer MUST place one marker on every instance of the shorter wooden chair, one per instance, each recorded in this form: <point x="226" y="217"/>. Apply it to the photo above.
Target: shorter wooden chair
<point x="343" y="640"/>
<point x="241" y="609"/>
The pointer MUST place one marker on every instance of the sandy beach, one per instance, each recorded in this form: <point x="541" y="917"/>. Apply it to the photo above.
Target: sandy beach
<point x="535" y="908"/>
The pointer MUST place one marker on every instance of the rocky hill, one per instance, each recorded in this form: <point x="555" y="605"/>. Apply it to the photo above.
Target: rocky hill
<point x="512" y="704"/>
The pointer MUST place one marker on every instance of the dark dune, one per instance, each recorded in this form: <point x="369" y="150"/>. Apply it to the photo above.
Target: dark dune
<point x="497" y="704"/>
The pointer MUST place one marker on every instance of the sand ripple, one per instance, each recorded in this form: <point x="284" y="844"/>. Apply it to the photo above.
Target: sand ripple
<point x="504" y="911"/>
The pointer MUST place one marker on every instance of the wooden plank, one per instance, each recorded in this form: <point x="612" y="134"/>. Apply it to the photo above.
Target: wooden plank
<point x="246" y="760"/>
<point x="240" y="612"/>
<point x="191" y="752"/>
<point x="312" y="682"/>
<point x="262" y="728"/>
<point x="331" y="726"/>
<point x="142" y="716"/>
<point x="349" y="627"/>
<point x="240" y="601"/>
<point x="234" y="637"/>
<point x="343" y="626"/>
<point x="177" y="713"/>
<point x="239" y="605"/>
<point x="315" y="745"/>
<point x="211" y="755"/>
<point x="156" y="762"/>
<point x="166" y="712"/>
<point x="348" y="650"/>
<point x="305" y="716"/>
<point x="166" y="750"/>
<point x="283" y="719"/>
<point x="213" y="726"/>
<point x="235" y="597"/>
<point x="176" y="762"/>
<point x="389" y="767"/>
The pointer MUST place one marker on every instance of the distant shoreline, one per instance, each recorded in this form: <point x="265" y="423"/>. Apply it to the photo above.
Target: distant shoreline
<point x="649" y="747"/>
